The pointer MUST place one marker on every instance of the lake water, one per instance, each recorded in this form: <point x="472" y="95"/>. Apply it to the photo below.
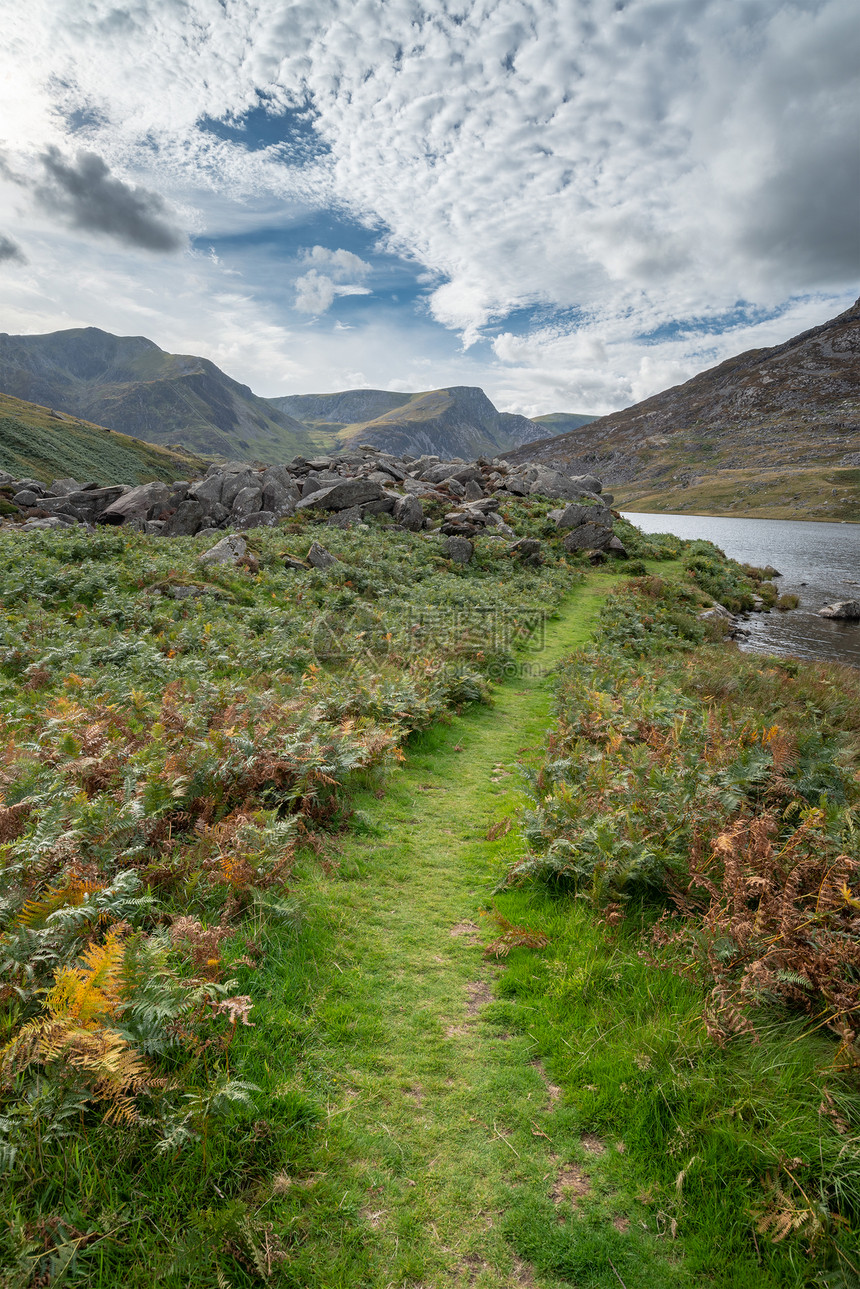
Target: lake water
<point x="819" y="562"/>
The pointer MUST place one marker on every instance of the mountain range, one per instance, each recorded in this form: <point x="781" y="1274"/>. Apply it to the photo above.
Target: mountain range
<point x="129" y="384"/>
<point x="770" y="433"/>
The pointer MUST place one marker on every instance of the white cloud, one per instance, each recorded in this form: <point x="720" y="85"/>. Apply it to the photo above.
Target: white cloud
<point x="637" y="164"/>
<point x="340" y="265"/>
<point x="316" y="291"/>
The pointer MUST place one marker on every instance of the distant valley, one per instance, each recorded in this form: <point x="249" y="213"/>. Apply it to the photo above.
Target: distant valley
<point x="130" y="385"/>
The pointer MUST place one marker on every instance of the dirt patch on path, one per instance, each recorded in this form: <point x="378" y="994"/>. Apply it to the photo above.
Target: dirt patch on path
<point x="571" y="1185"/>
<point x="478" y="994"/>
<point x="467" y="931"/>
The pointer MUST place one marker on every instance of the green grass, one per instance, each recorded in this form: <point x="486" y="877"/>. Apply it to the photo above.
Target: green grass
<point x="36" y="444"/>
<point x="402" y="1111"/>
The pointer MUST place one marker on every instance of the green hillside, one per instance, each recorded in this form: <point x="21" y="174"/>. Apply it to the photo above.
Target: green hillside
<point x="131" y="385"/>
<point x="42" y="444"/>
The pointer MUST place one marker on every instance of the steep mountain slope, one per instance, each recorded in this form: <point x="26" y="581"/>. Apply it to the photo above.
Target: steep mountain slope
<point x="129" y="384"/>
<point x="770" y="432"/>
<point x="38" y="443"/>
<point x="460" y="421"/>
<point x="333" y="411"/>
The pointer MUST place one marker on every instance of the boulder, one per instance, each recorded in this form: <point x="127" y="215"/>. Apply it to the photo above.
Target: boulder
<point x="579" y="513"/>
<point x="458" y="549"/>
<point x="342" y="495"/>
<point x="208" y="490"/>
<point x="227" y="551"/>
<point x="62" y="487"/>
<point x="845" y="610"/>
<point x="617" y="548"/>
<point x="216" y="514"/>
<point x="142" y="503"/>
<point x="439" y="473"/>
<point x="319" y="557"/>
<point x="256" y="519"/>
<point x="588" y="537"/>
<point x="453" y="486"/>
<point x="187" y="519"/>
<point x="280" y="493"/>
<point x="52" y="521"/>
<point x="552" y="483"/>
<point x="473" y="490"/>
<point x="317" y="481"/>
<point x="409" y="513"/>
<point x="467" y="474"/>
<point x="383" y="506"/>
<point x="588" y="482"/>
<point x="345" y="518"/>
<point x="529" y="550"/>
<point x="90" y="502"/>
<point x="233" y="485"/>
<point x="26" y="498"/>
<point x="498" y="524"/>
<point x="247" y="501"/>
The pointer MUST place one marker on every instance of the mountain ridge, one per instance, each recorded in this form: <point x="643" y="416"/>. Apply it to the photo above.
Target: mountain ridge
<point x="130" y="385"/>
<point x="759" y="427"/>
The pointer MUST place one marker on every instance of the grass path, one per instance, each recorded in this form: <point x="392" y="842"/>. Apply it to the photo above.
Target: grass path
<point x="439" y="1123"/>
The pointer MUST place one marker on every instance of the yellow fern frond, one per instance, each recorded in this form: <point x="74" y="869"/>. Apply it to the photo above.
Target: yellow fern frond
<point x="83" y="994"/>
<point x="35" y="913"/>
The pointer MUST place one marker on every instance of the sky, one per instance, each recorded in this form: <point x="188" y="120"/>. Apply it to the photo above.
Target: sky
<point x="571" y="203"/>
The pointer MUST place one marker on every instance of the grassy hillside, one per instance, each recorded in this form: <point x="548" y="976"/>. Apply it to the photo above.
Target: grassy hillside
<point x="42" y="444"/>
<point x="131" y="385"/>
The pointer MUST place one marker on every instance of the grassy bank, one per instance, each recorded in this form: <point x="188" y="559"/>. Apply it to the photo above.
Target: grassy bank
<point x="823" y="492"/>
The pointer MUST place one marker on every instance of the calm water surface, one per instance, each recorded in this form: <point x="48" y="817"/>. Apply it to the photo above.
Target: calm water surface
<point x="819" y="562"/>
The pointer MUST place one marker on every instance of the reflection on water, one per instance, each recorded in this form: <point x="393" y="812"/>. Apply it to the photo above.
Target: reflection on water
<point x="819" y="562"/>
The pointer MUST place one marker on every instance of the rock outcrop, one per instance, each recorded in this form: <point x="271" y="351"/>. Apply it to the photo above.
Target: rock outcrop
<point x="342" y="490"/>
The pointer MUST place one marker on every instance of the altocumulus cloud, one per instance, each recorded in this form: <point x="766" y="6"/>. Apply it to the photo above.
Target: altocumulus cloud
<point x="85" y="194"/>
<point x="561" y="169"/>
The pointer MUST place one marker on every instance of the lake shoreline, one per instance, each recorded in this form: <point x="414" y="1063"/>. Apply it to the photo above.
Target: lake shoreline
<point x="728" y="514"/>
<point x="819" y="561"/>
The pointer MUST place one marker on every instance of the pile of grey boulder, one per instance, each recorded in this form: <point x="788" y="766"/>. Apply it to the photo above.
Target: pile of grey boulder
<point x="346" y="489"/>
